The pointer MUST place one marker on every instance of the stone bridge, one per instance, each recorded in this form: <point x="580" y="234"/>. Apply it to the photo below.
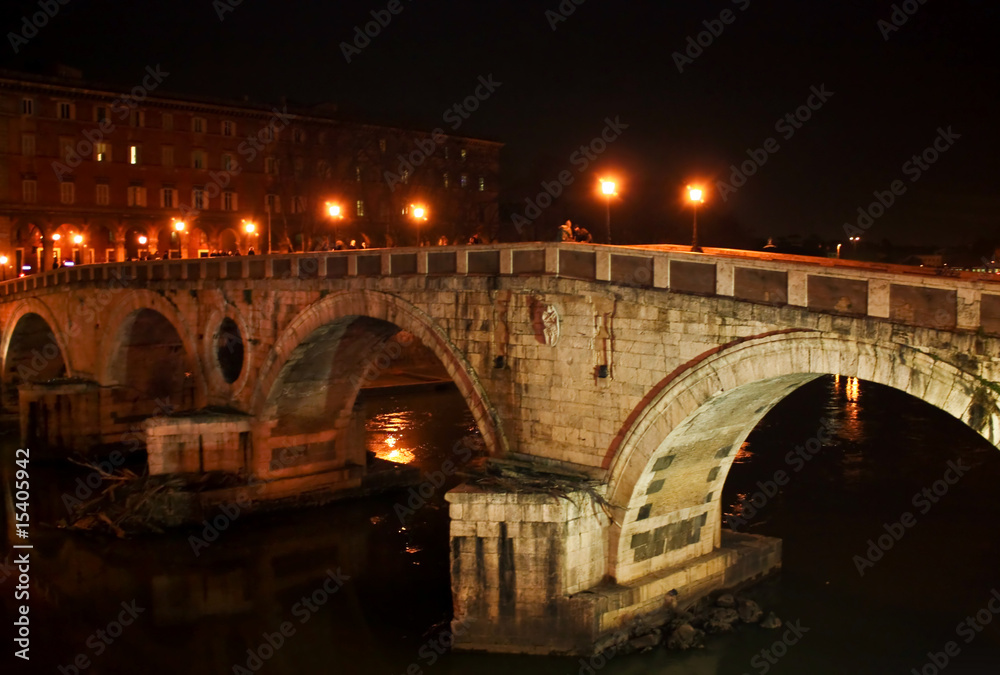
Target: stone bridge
<point x="633" y="374"/>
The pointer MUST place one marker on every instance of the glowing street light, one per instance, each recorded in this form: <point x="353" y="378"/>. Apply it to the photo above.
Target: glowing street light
<point x="142" y="239"/>
<point x="334" y="210"/>
<point x="609" y="190"/>
<point x="56" y="237"/>
<point x="250" y="228"/>
<point x="78" y="239"/>
<point x="3" y="263"/>
<point x="696" y="196"/>
<point x="419" y="213"/>
<point x="179" y="227"/>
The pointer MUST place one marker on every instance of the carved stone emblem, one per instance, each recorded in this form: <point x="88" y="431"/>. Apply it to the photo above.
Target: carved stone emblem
<point x="550" y="325"/>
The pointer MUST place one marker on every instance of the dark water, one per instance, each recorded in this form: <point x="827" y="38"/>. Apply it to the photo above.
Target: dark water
<point x="202" y="613"/>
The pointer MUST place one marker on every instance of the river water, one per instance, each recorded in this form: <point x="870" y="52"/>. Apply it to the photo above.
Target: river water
<point x="201" y="613"/>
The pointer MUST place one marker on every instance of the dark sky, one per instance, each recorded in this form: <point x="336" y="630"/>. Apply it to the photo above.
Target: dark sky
<point x="615" y="59"/>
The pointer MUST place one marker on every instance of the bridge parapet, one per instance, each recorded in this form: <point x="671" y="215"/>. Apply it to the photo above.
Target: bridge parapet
<point x="906" y="295"/>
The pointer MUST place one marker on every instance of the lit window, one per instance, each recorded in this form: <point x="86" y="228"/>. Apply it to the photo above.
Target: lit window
<point x="198" y="159"/>
<point x="465" y="180"/>
<point x="482" y="184"/>
<point x="133" y="154"/>
<point x="198" y="199"/>
<point x="406" y="176"/>
<point x="273" y="204"/>
<point x="228" y="201"/>
<point x="464" y="154"/>
<point x="29" y="191"/>
<point x="357" y="173"/>
<point x="198" y="125"/>
<point x="168" y="122"/>
<point x="361" y="208"/>
<point x="102" y="152"/>
<point x="168" y="156"/>
<point x="27" y="106"/>
<point x="65" y="110"/>
<point x="270" y="166"/>
<point x="228" y="128"/>
<point x="103" y="195"/>
<point x="447" y="179"/>
<point x="167" y="198"/>
<point x="67" y="193"/>
<point x="136" y="195"/>
<point x="28" y="145"/>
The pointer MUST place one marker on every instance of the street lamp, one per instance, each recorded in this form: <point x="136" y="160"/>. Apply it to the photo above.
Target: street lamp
<point x="336" y="213"/>
<point x="419" y="214"/>
<point x="3" y="263"/>
<point x="696" y="196"/>
<point x="608" y="188"/>
<point x="179" y="227"/>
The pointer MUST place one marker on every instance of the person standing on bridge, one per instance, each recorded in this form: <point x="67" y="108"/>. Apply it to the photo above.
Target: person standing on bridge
<point x="566" y="232"/>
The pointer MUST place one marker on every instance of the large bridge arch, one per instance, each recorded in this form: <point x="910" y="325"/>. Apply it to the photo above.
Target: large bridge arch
<point x="36" y="351"/>
<point x="123" y="318"/>
<point x="667" y="472"/>
<point x="380" y="316"/>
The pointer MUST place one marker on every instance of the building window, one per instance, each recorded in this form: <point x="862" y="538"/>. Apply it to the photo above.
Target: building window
<point x="136" y="195"/>
<point x="298" y="165"/>
<point x="482" y="184"/>
<point x="446" y="179"/>
<point x="298" y="204"/>
<point x="361" y="208"/>
<point x="228" y="128"/>
<point x="103" y="195"/>
<point x="357" y="173"/>
<point x="167" y="198"/>
<point x="67" y="193"/>
<point x="198" y="125"/>
<point x="463" y="154"/>
<point x="447" y="153"/>
<point x="465" y="180"/>
<point x="273" y="204"/>
<point x="168" y="156"/>
<point x="198" y="199"/>
<point x="167" y="121"/>
<point x="298" y="136"/>
<point x="198" y="159"/>
<point x="138" y="118"/>
<point x="29" y="191"/>
<point x="134" y="154"/>
<point x="227" y="162"/>
<point x="28" y="145"/>
<point x="100" y="113"/>
<point x="229" y="201"/>
<point x="270" y="166"/>
<point x="27" y="106"/>
<point x="382" y="145"/>
<point x="102" y="152"/>
<point x="65" y="110"/>
<point x="406" y="176"/>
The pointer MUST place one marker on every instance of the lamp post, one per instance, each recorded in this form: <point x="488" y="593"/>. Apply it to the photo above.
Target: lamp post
<point x="854" y="245"/>
<point x="250" y="228"/>
<point x="3" y="263"/>
<point x="696" y="196"/>
<point x="179" y="227"/>
<point x="336" y="214"/>
<point x="608" y="188"/>
<point x="419" y="213"/>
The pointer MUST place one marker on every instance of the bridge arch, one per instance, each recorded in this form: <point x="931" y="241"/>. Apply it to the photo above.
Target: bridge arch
<point x="672" y="462"/>
<point x="27" y="348"/>
<point x="368" y="318"/>
<point x="148" y="320"/>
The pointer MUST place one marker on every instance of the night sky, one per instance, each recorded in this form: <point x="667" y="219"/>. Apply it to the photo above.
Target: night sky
<point x="615" y="60"/>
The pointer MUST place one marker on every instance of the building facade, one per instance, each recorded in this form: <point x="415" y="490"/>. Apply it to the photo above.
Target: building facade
<point x="90" y="174"/>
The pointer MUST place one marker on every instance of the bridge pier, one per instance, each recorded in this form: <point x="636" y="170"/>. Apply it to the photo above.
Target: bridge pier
<point x="529" y="573"/>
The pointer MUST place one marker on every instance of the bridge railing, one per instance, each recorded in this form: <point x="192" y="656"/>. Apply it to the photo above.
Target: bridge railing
<point x="906" y="295"/>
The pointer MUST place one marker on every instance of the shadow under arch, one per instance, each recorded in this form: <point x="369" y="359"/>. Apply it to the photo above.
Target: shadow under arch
<point x="672" y="462"/>
<point x="32" y="349"/>
<point x="336" y="338"/>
